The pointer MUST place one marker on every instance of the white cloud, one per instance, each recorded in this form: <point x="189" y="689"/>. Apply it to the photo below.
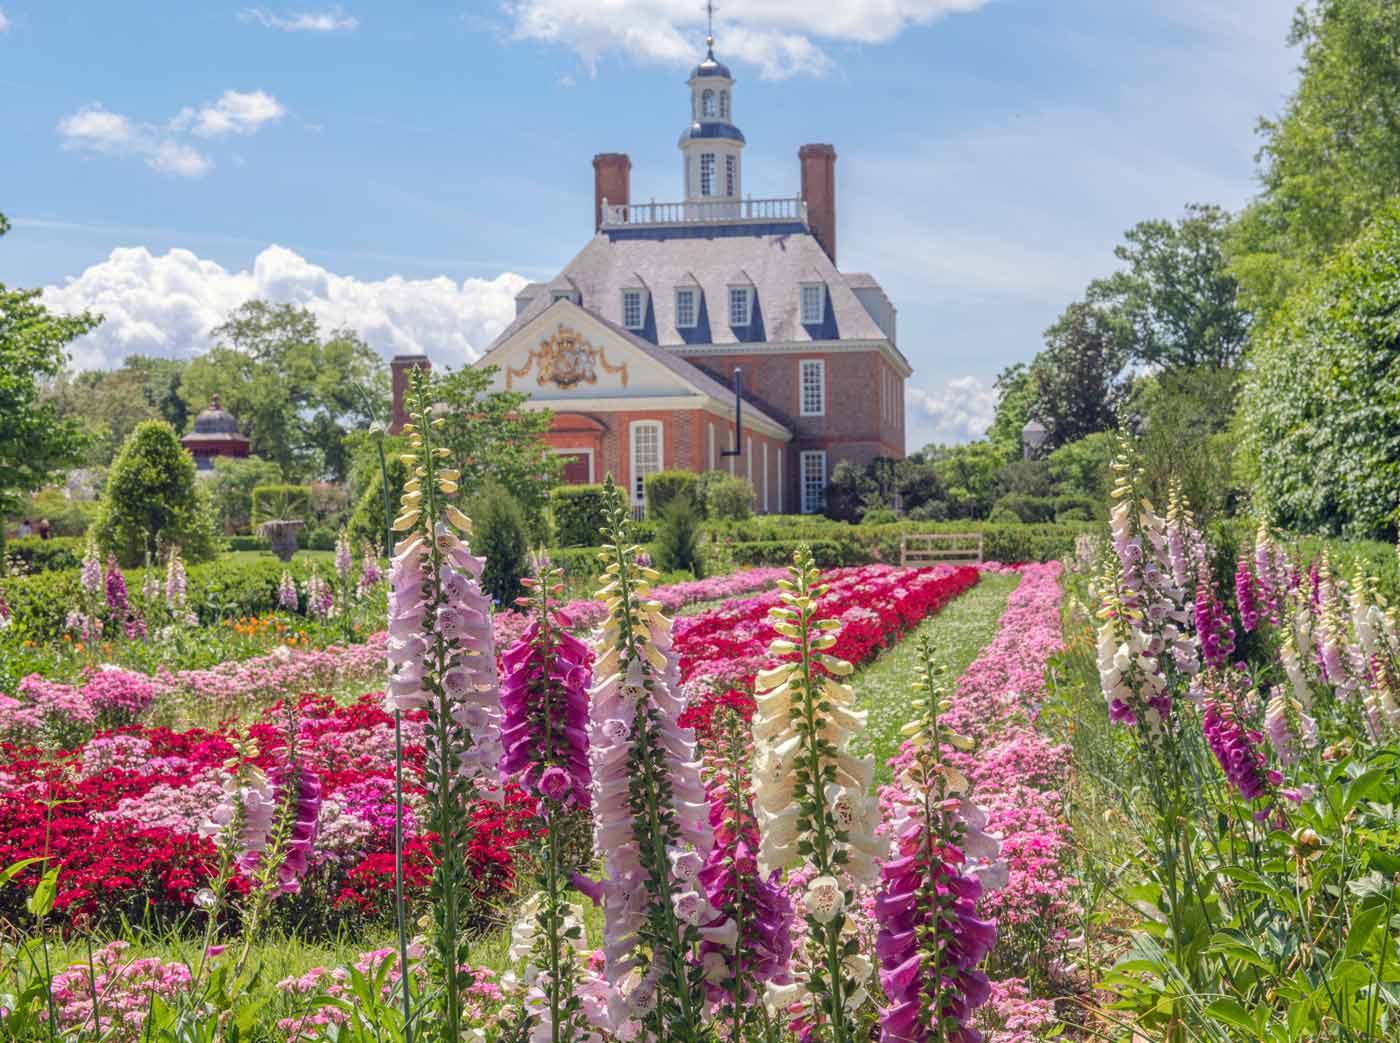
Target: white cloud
<point x="780" y="37"/>
<point x="960" y="411"/>
<point x="166" y="305"/>
<point x="4" y="21"/>
<point x="332" y="21"/>
<point x="94" y="129"/>
<point x="236" y="112"/>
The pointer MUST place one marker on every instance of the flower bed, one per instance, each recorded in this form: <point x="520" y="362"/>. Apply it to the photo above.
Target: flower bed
<point x="1015" y="775"/>
<point x="130" y="802"/>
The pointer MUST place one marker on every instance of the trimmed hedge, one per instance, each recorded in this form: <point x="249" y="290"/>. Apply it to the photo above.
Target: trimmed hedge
<point x="61" y="552"/>
<point x="664" y="486"/>
<point x="580" y="512"/>
<point x="218" y="589"/>
<point x="281" y="502"/>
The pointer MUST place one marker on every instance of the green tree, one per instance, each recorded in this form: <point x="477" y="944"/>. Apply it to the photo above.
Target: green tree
<point x="154" y="500"/>
<point x="491" y="435"/>
<point x="231" y="489"/>
<point x="1176" y="304"/>
<point x="678" y="537"/>
<point x="1015" y="390"/>
<point x="295" y="393"/>
<point x="35" y="442"/>
<point x="499" y="536"/>
<point x="1082" y="467"/>
<point x="1183" y="419"/>
<point x="1331" y="158"/>
<point x="969" y="474"/>
<point x="1075" y="382"/>
<point x="1319" y="418"/>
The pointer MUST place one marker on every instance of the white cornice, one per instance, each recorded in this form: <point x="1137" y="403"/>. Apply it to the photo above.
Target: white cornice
<point x="797" y="347"/>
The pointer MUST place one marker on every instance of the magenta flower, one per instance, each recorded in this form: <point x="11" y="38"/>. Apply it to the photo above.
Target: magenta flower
<point x="287" y="592"/>
<point x="301" y="788"/>
<point x="1245" y="589"/>
<point x="1213" y="627"/>
<point x="1235" y="749"/>
<point x="117" y="599"/>
<point x="544" y="713"/>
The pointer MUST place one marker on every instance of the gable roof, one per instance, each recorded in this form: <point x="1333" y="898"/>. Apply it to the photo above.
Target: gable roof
<point x="685" y="371"/>
<point x="777" y="263"/>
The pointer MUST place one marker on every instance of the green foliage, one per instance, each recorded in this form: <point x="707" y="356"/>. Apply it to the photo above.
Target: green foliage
<point x="499" y="535"/>
<point x="1176" y="304"/>
<point x="663" y="487"/>
<point x="108" y="404"/>
<point x="367" y="521"/>
<point x="1020" y="507"/>
<point x="1320" y="413"/>
<point x="154" y="500"/>
<point x="969" y="474"/>
<point x="61" y="552"/>
<point x="1003" y="516"/>
<point x="1183" y="417"/>
<point x="579" y="512"/>
<point x="678" y="538"/>
<point x="1331" y="159"/>
<point x="1082" y="466"/>
<point x="281" y="502"/>
<point x="879" y="516"/>
<point x="1075" y="387"/>
<point x="1015" y="390"/>
<point x="491" y="435"/>
<point x="231" y="488"/>
<point x="726" y="496"/>
<point x="35" y="442"/>
<point x="295" y="392"/>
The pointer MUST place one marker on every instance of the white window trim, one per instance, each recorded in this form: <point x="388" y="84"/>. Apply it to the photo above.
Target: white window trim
<point x="641" y="309"/>
<point x="803" y="457"/>
<point x="710" y="112"/>
<point x="579" y="452"/>
<point x="712" y="447"/>
<point x="767" y="504"/>
<point x="694" y="308"/>
<point x="707" y="190"/>
<point x="747" y="291"/>
<point x="731" y="175"/>
<point x="563" y="295"/>
<point x="780" y="480"/>
<point x="748" y="460"/>
<point x="802" y="390"/>
<point x="639" y="496"/>
<point x="821" y="303"/>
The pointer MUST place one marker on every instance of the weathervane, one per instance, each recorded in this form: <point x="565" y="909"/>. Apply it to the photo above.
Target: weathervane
<point x="710" y="24"/>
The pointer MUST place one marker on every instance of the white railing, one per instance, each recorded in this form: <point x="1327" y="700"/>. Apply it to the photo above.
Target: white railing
<point x="705" y="212"/>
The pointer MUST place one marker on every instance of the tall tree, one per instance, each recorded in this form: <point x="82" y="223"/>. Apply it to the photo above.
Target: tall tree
<point x="1075" y="382"/>
<point x="1015" y="405"/>
<point x="35" y="443"/>
<point x="296" y="394"/>
<point x="1176" y="303"/>
<point x="1332" y="157"/>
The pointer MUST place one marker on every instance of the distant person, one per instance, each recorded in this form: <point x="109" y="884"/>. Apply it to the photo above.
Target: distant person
<point x="46" y="530"/>
<point x="25" y="529"/>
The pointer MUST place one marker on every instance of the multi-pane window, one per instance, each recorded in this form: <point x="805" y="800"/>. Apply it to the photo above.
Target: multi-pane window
<point x="724" y="105"/>
<point x="685" y="309"/>
<point x="646" y="455"/>
<point x="731" y="175"/>
<point x="632" y="309"/>
<point x="707" y="104"/>
<point x="707" y="173"/>
<point x="813" y="303"/>
<point x="739" y="300"/>
<point x="813" y="475"/>
<point x="813" y="387"/>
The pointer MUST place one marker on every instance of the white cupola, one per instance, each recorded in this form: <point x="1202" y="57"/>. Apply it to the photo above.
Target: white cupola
<point x="711" y="145"/>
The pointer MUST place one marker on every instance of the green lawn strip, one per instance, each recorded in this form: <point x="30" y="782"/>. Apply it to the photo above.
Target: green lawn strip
<point x="959" y="631"/>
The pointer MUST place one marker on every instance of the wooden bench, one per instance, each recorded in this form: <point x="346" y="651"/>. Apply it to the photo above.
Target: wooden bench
<point x="931" y="548"/>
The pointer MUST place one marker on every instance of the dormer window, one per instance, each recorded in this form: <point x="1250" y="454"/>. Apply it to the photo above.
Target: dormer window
<point x="813" y="303"/>
<point x="687" y="308"/>
<point x="563" y="295"/>
<point x="633" y="309"/>
<point x="740" y="305"/>
<point x="707" y="104"/>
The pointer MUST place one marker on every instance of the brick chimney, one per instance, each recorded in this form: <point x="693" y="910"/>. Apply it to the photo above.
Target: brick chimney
<point x="612" y="180"/>
<point x="819" y="193"/>
<point x="399" y="369"/>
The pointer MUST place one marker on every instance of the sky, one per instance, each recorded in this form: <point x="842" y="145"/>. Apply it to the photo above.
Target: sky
<point x="403" y="169"/>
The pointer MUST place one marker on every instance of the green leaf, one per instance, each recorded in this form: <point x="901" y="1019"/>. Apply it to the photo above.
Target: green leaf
<point x="1363" y="924"/>
<point x="12" y="871"/>
<point x="1232" y="1012"/>
<point x="41" y="901"/>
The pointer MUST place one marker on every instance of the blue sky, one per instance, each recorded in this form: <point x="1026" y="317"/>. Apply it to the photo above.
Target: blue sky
<point x="402" y="168"/>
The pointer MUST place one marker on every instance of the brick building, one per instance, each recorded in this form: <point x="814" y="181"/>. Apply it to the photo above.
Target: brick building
<point x="634" y="345"/>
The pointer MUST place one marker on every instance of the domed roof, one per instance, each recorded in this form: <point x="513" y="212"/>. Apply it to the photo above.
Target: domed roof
<point x="215" y="420"/>
<point x="711" y="66"/>
<point x="702" y="129"/>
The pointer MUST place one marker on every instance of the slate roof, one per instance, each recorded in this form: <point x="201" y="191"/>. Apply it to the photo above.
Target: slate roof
<point x="777" y="263"/>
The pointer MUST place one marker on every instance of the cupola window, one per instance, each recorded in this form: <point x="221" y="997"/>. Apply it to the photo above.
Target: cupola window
<point x="724" y="105"/>
<point x="707" y="173"/>
<point x="707" y="104"/>
<point x="731" y="176"/>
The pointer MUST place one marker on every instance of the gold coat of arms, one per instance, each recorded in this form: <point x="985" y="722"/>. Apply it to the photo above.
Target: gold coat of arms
<point x="565" y="359"/>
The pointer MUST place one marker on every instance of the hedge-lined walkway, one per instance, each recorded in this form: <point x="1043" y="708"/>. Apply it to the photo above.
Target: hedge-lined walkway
<point x="961" y="630"/>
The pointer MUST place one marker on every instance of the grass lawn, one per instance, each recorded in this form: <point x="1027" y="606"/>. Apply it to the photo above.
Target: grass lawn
<point x="267" y="555"/>
<point x="962" y="629"/>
